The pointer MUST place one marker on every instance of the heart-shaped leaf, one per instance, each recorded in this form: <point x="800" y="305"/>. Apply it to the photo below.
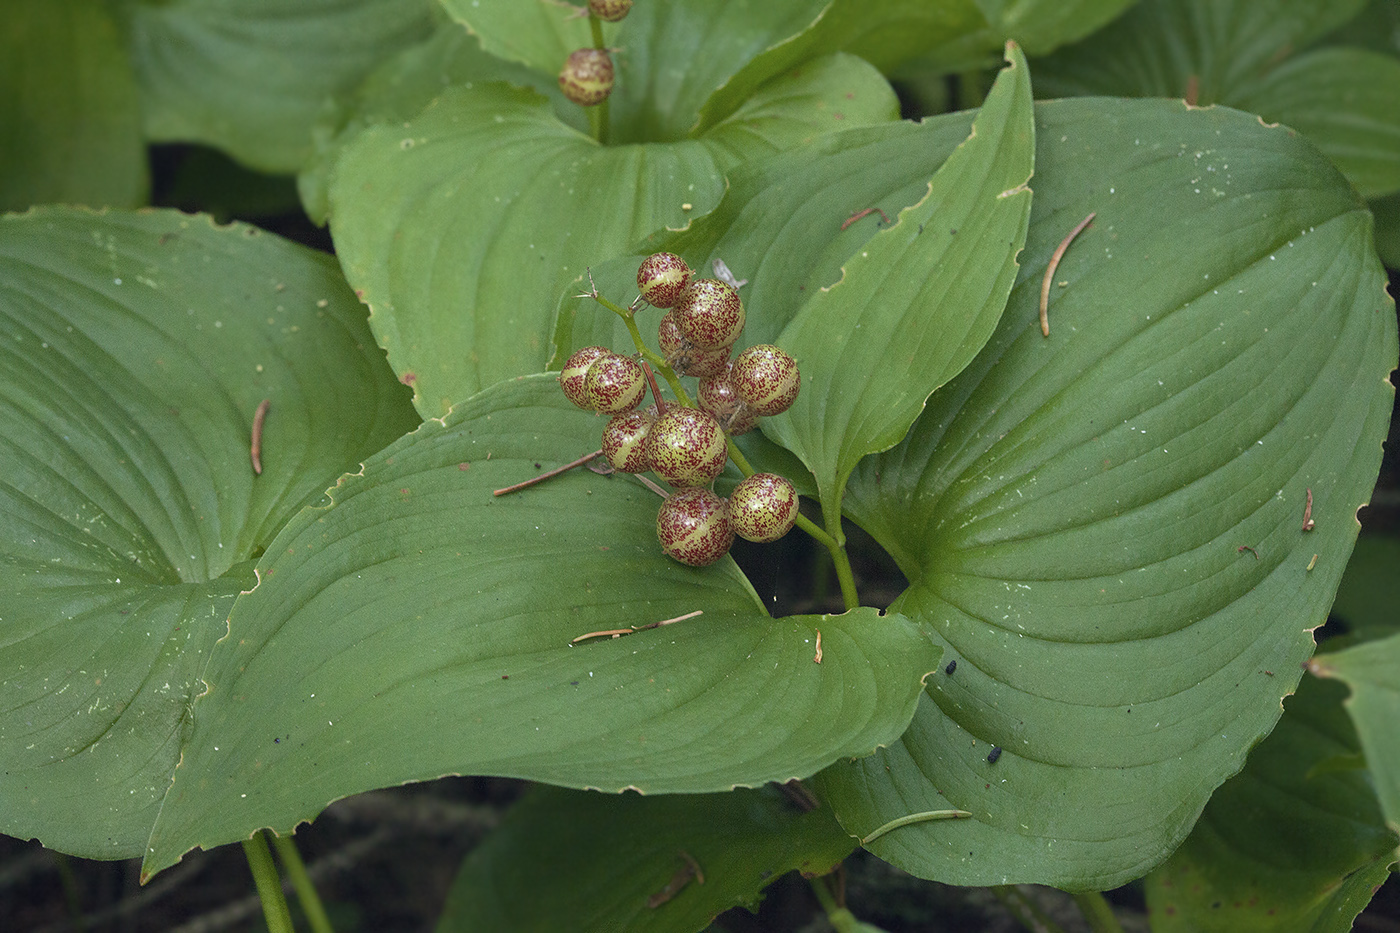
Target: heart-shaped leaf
<point x="135" y="350"/>
<point x="624" y="862"/>
<point x="69" y="107"/>
<point x="1080" y="515"/>
<point x="918" y="301"/>
<point x="1372" y="671"/>
<point x="1240" y="53"/>
<point x="1294" y="842"/>
<point x="252" y="77"/>
<point x="461" y="227"/>
<point x="401" y="632"/>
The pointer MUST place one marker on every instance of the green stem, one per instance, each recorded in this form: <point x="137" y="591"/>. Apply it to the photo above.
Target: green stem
<point x="1024" y="909"/>
<point x="841" y="919"/>
<point x="1096" y="910"/>
<point x="598" y="119"/>
<point x="844" y="575"/>
<point x="301" y="882"/>
<point x="279" y="918"/>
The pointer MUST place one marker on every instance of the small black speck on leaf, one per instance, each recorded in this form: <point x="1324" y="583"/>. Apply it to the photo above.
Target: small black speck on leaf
<point x="952" y="666"/>
<point x="537" y="466"/>
<point x="993" y="755"/>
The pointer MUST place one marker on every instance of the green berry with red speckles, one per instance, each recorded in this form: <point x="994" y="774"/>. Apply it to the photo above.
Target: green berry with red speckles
<point x="661" y="278"/>
<point x="625" y="441"/>
<point x="717" y="396"/>
<point x="685" y="447"/>
<point x="611" y="11"/>
<point x="693" y="527"/>
<point x="614" y="384"/>
<point x="710" y="314"/>
<point x="683" y="356"/>
<point x="575" y="369"/>
<point x="766" y="379"/>
<point x="587" y="77"/>
<point x="763" y="507"/>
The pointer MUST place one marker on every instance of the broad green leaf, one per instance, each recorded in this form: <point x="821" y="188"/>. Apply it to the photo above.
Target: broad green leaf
<point x="252" y="77"/>
<point x="627" y="862"/>
<point x="1347" y="102"/>
<point x="1366" y="596"/>
<point x="1291" y="843"/>
<point x="537" y="35"/>
<point x="402" y="86"/>
<point x="1171" y="48"/>
<point x="918" y="301"/>
<point x="134" y="352"/>
<point x="1372" y="671"/>
<point x="68" y="105"/>
<point x="1074" y="512"/>
<point x="1387" y="212"/>
<point x="461" y="228"/>
<point x="1241" y="53"/>
<point x="415" y="625"/>
<point x="1041" y="26"/>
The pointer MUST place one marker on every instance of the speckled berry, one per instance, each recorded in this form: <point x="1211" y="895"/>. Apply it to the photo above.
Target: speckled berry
<point x="685" y="447"/>
<point x="763" y="507"/>
<point x="717" y="396"/>
<point x="625" y="441"/>
<point x="614" y="384"/>
<point x="693" y="527"/>
<point x="661" y="278"/>
<point x="766" y="379"/>
<point x="710" y="314"/>
<point x="611" y="11"/>
<point x="587" y="77"/>
<point x="575" y="369"/>
<point x="683" y="356"/>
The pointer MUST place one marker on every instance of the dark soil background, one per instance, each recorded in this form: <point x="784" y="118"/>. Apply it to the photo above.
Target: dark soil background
<point x="384" y="861"/>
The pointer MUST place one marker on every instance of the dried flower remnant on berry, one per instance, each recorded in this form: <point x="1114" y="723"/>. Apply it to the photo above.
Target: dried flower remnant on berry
<point x="766" y="378"/>
<point x="693" y="527"/>
<point x="686" y="447"/>
<point x="575" y="369"/>
<point x="587" y="77"/>
<point x="763" y="507"/>
<point x="661" y="278"/>
<point x="683" y="356"/>
<point x="614" y="384"/>
<point x="710" y="314"/>
<point x="610" y="11"/>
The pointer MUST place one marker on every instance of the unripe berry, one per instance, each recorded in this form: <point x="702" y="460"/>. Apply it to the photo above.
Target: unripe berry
<point x="587" y="77"/>
<point x="717" y="396"/>
<point x="610" y="11"/>
<point x="625" y="441"/>
<point x="661" y="278"/>
<point x="683" y="356"/>
<point x="766" y="379"/>
<point x="693" y="527"/>
<point x="710" y="314"/>
<point x="575" y="369"/>
<point x="614" y="384"/>
<point x="763" y="507"/>
<point x="685" y="447"/>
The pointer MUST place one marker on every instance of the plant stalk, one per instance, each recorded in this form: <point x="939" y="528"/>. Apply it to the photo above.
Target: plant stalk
<point x="269" y="884"/>
<point x="1097" y="911"/>
<point x="598" y="116"/>
<point x="837" y="546"/>
<point x="295" y="868"/>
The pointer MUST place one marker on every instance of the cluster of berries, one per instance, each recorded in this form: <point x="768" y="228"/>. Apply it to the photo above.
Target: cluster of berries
<point x="686" y="446"/>
<point x="587" y="75"/>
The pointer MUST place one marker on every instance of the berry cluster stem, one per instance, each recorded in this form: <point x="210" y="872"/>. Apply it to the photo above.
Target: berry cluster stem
<point x="598" y="122"/>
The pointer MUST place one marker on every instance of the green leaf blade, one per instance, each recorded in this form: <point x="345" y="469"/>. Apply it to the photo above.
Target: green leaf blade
<point x="416" y="589"/>
<point x="1075" y="512"/>
<point x="878" y="342"/>
<point x="615" y="859"/>
<point x="134" y="351"/>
